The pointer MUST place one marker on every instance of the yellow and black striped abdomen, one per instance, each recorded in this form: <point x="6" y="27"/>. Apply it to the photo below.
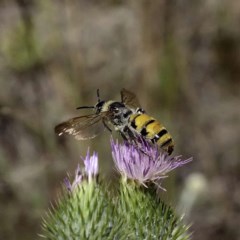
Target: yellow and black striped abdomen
<point x="153" y="130"/>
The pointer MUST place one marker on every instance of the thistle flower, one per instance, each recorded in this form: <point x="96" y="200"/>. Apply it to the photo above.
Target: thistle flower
<point x="89" y="172"/>
<point x="90" y="212"/>
<point x="144" y="162"/>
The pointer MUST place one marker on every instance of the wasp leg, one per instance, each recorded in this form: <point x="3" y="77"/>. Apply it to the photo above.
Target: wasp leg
<point x="124" y="136"/>
<point x="107" y="127"/>
<point x="133" y="138"/>
<point x="127" y="134"/>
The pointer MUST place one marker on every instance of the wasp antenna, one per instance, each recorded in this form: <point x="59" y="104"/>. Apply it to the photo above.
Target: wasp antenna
<point x="85" y="107"/>
<point x="98" y="95"/>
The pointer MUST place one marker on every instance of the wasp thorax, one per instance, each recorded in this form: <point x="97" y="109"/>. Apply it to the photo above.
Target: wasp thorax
<point x="119" y="114"/>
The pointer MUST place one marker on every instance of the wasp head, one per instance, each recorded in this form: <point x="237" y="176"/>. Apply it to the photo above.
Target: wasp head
<point x="98" y="106"/>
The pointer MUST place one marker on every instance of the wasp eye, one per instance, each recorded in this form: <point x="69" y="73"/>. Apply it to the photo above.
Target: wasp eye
<point x="116" y="110"/>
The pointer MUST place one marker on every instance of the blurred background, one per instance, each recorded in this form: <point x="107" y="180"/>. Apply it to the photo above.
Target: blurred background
<point x="182" y="59"/>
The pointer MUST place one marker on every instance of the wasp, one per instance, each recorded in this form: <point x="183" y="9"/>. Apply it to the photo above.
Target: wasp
<point x="126" y="117"/>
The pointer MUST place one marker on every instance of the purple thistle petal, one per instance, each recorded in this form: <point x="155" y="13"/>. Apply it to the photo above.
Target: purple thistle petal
<point x="67" y="184"/>
<point x="91" y="165"/>
<point x="78" y="177"/>
<point x="88" y="173"/>
<point x="144" y="162"/>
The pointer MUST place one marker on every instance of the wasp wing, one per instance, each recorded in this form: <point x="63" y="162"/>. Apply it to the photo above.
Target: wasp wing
<point x="130" y="99"/>
<point x="83" y="127"/>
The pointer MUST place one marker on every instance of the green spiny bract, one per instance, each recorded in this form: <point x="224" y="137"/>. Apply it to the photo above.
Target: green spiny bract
<point x="147" y="217"/>
<point x="85" y="213"/>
